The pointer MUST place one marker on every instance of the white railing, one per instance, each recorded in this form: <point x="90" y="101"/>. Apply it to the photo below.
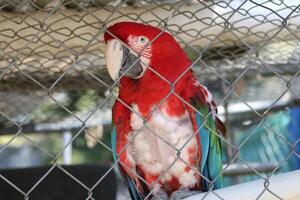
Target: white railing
<point x="284" y="186"/>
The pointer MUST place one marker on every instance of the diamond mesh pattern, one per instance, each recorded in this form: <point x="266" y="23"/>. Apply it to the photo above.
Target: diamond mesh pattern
<point x="246" y="52"/>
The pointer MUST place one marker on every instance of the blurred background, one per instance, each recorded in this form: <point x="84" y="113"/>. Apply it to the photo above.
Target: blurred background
<point x="56" y="96"/>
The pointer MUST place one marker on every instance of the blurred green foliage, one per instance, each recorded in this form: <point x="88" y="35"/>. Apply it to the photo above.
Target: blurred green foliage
<point x="77" y="102"/>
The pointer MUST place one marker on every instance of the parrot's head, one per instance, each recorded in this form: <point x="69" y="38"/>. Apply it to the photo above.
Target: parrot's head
<point x="131" y="47"/>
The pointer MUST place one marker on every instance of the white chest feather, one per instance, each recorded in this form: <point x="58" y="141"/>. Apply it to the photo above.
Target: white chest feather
<point x="156" y="145"/>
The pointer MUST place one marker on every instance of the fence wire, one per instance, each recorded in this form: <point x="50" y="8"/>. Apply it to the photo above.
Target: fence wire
<point x="247" y="53"/>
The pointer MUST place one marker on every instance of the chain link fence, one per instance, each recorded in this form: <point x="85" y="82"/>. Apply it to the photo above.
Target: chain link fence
<point x="53" y="77"/>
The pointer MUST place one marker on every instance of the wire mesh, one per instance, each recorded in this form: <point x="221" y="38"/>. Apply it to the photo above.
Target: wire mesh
<point x="246" y="52"/>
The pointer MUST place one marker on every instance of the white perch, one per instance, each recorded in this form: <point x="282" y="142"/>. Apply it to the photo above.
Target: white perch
<point x="285" y="186"/>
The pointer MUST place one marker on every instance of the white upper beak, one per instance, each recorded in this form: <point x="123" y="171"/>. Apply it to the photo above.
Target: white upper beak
<point x="114" y="57"/>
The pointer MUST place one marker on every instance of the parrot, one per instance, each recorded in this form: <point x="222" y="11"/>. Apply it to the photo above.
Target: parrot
<point x="165" y="129"/>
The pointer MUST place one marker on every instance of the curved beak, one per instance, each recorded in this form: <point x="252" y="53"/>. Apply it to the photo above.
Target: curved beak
<point x="119" y="60"/>
<point x="113" y="57"/>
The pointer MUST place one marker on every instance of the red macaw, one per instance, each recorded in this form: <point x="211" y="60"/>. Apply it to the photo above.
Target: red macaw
<point x="165" y="125"/>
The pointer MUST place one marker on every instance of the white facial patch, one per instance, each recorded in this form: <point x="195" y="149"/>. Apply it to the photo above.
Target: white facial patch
<point x="138" y="49"/>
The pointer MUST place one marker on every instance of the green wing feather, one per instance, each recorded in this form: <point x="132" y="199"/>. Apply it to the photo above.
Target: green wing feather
<point x="211" y="163"/>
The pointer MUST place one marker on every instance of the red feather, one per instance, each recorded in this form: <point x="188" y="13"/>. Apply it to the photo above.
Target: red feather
<point x="171" y="63"/>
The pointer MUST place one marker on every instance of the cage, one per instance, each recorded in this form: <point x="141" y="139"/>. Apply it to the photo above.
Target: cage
<point x="56" y="95"/>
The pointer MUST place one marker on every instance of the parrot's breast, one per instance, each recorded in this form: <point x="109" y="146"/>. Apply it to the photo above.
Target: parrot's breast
<point x="156" y="146"/>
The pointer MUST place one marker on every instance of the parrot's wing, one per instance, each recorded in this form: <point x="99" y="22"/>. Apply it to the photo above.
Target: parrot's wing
<point x="130" y="181"/>
<point x="208" y="126"/>
<point x="211" y="163"/>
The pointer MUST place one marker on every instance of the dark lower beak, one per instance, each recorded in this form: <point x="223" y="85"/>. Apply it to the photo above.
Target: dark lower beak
<point x="131" y="65"/>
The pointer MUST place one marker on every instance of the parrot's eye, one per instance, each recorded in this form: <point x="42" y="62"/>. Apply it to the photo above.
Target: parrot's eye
<point x="142" y="40"/>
